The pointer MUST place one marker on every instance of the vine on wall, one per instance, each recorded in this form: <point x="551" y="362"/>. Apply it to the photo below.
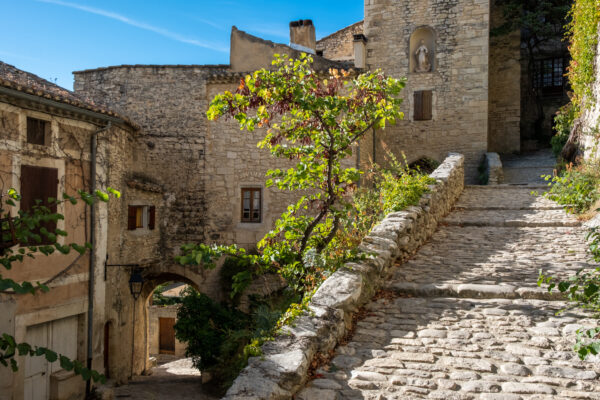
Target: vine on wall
<point x="583" y="38"/>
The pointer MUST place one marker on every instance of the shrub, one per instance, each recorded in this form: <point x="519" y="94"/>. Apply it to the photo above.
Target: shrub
<point x="576" y="188"/>
<point x="563" y="122"/>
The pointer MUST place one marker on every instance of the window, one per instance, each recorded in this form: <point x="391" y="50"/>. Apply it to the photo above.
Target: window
<point x="38" y="131"/>
<point x="423" y="99"/>
<point x="38" y="184"/>
<point x="548" y="75"/>
<point x="141" y="217"/>
<point x="251" y="205"/>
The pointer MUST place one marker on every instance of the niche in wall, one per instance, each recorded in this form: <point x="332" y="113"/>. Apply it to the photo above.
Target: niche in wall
<point x="422" y="50"/>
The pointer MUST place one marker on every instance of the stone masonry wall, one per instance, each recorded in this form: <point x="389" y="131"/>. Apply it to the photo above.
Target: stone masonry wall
<point x="282" y="368"/>
<point x="339" y="45"/>
<point x="169" y="103"/>
<point x="504" y="134"/>
<point x="459" y="80"/>
<point x="591" y="118"/>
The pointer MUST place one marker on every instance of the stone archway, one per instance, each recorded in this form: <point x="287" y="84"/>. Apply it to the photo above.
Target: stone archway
<point x="129" y="354"/>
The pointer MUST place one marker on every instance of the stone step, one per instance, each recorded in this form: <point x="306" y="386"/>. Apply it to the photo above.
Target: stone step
<point x="511" y="218"/>
<point x="472" y="291"/>
<point x="505" y="198"/>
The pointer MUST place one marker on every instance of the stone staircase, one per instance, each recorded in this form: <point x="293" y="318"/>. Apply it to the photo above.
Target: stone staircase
<point x="464" y="318"/>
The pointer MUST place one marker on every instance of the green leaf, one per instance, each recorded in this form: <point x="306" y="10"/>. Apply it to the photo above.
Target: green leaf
<point x="50" y="355"/>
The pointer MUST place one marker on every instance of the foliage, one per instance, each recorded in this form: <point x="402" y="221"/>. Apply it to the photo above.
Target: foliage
<point x="158" y="299"/>
<point x="31" y="232"/>
<point x="583" y="39"/>
<point x="391" y="189"/>
<point x="563" y="122"/>
<point x="576" y="187"/>
<point x="583" y="291"/>
<point x="315" y="121"/>
<point x="220" y="338"/>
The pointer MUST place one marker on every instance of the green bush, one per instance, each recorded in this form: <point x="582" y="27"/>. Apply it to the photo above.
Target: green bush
<point x="563" y="122"/>
<point x="576" y="188"/>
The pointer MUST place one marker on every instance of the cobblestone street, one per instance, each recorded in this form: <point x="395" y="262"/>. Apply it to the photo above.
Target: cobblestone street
<point x="466" y="319"/>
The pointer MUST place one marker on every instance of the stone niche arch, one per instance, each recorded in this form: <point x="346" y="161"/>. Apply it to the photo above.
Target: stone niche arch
<point x="427" y="35"/>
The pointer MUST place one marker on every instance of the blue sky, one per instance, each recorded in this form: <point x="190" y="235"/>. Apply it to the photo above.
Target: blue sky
<point x="52" y="38"/>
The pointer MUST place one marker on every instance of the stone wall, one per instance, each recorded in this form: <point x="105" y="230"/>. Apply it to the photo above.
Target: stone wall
<point x="504" y="134"/>
<point x="339" y="45"/>
<point x="282" y="368"/>
<point x="459" y="79"/>
<point x="591" y="117"/>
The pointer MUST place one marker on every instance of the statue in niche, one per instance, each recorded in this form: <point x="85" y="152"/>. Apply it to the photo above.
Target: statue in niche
<point x="422" y="55"/>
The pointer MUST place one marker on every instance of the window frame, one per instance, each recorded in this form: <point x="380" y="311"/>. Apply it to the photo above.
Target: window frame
<point x="148" y="217"/>
<point x="251" y="219"/>
<point x="540" y="76"/>
<point x="31" y="136"/>
<point x="423" y="105"/>
<point x="29" y="196"/>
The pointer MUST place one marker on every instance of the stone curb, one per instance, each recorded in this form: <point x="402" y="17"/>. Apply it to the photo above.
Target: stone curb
<point x="282" y="369"/>
<point x="473" y="291"/>
<point x="516" y="224"/>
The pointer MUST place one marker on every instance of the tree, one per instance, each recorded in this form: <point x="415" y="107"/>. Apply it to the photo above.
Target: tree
<point x="314" y="119"/>
<point x="29" y="228"/>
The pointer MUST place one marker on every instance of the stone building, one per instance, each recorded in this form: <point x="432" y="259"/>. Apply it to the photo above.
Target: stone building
<point x="50" y="142"/>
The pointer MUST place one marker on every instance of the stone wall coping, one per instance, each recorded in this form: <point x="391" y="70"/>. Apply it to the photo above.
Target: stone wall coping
<point x="283" y="367"/>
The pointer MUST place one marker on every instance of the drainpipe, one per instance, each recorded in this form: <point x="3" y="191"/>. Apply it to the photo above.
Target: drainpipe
<point x="90" y="322"/>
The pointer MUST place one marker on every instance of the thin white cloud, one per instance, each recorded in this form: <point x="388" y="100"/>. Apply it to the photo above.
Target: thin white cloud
<point x="137" y="24"/>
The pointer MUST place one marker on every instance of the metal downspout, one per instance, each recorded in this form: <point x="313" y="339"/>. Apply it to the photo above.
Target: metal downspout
<point x="90" y="320"/>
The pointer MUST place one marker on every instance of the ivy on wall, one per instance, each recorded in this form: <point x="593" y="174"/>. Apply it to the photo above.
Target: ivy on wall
<point x="583" y="38"/>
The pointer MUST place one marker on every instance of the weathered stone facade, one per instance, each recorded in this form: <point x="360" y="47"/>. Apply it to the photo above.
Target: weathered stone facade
<point x="339" y="45"/>
<point x="504" y="135"/>
<point x="458" y="78"/>
<point x="57" y="319"/>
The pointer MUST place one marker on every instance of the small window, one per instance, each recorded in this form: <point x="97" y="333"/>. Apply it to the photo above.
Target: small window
<point x="251" y="205"/>
<point x="423" y="100"/>
<point x="38" y="184"/>
<point x="38" y="131"/>
<point x="548" y="75"/>
<point x="141" y="217"/>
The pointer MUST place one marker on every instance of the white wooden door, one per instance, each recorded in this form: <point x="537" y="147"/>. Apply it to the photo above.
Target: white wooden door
<point x="37" y="375"/>
<point x="60" y="336"/>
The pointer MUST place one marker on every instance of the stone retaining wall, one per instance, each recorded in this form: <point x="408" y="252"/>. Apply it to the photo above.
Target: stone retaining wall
<point x="282" y="369"/>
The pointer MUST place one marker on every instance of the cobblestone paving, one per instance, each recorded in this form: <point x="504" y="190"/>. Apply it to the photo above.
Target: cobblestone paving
<point x="475" y="335"/>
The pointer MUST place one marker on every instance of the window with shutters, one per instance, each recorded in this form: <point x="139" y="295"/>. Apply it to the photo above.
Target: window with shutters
<point x="38" y="131"/>
<point x="251" y="205"/>
<point x="38" y="185"/>
<point x="423" y="105"/>
<point x="141" y="217"/>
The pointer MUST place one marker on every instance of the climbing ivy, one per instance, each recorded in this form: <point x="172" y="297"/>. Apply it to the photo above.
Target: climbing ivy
<point x="583" y="40"/>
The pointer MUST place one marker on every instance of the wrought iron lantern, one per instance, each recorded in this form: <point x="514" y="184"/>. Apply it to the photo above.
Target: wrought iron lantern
<point x="136" y="282"/>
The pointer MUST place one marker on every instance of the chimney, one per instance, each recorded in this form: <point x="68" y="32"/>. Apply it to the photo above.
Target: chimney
<point x="360" y="51"/>
<point x="302" y="36"/>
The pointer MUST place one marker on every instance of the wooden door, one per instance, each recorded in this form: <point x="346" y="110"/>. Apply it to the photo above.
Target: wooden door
<point x="37" y="374"/>
<point x="166" y="335"/>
